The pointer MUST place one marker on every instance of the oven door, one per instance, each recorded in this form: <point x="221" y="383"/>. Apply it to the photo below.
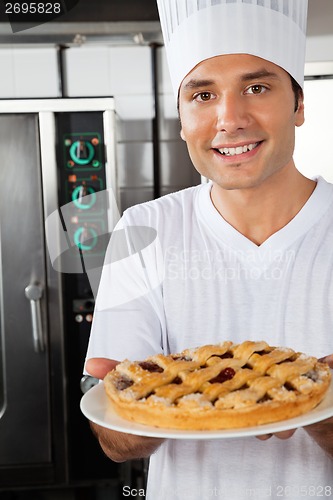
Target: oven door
<point x="25" y="416"/>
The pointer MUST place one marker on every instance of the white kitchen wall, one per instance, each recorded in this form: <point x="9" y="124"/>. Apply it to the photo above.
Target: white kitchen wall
<point x="29" y="72"/>
<point x="122" y="72"/>
<point x="313" y="151"/>
<point x="169" y="103"/>
<point x="86" y="71"/>
<point x="320" y="48"/>
<point x="7" y="82"/>
<point x="33" y="71"/>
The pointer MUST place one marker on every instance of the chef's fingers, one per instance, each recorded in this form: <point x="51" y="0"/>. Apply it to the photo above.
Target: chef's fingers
<point x="279" y="435"/>
<point x="285" y="434"/>
<point x="328" y="359"/>
<point x="99" y="367"/>
<point x="264" y="437"/>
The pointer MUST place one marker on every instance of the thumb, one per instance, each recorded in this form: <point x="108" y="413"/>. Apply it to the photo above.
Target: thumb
<point x="99" y="367"/>
<point x="327" y="359"/>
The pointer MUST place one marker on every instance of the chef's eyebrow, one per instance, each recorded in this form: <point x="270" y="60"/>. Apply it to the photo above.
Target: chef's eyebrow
<point x="195" y="84"/>
<point x="257" y="75"/>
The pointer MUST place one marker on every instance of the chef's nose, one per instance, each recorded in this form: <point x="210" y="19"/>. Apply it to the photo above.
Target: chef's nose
<point x="232" y="114"/>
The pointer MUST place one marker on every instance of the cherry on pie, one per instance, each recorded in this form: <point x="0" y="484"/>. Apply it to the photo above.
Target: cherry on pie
<point x="218" y="386"/>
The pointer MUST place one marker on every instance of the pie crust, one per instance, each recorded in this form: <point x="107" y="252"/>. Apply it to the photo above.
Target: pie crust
<point x="219" y="386"/>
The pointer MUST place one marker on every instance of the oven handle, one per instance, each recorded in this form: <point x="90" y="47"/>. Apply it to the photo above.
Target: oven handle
<point x="34" y="293"/>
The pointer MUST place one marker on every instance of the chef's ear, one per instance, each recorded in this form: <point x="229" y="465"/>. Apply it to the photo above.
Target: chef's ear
<point x="299" y="115"/>
<point x="180" y="122"/>
<point x="299" y="102"/>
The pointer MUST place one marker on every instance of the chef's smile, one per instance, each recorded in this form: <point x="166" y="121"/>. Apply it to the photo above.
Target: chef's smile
<point x="236" y="152"/>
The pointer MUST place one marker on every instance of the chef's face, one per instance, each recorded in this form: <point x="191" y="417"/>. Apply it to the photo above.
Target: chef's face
<point x="238" y="119"/>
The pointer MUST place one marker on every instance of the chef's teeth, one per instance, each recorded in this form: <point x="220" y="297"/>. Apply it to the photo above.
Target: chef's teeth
<point x="239" y="150"/>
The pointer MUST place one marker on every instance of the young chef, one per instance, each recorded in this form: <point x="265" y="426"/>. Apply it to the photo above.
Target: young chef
<point x="245" y="256"/>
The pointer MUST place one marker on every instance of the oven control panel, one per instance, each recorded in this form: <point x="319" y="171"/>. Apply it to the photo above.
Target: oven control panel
<point x="83" y="209"/>
<point x="83" y="204"/>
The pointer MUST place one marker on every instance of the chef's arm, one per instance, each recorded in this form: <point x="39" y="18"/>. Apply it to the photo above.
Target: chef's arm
<point x="117" y="445"/>
<point x="121" y="447"/>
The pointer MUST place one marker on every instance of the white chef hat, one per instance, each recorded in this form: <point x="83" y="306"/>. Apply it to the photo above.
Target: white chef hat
<point x="195" y="30"/>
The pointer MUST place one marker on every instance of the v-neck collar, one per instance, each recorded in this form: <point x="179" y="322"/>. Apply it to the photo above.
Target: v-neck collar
<point x="261" y="256"/>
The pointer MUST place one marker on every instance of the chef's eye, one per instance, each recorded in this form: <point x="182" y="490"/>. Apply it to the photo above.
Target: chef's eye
<point x="256" y="89"/>
<point x="203" y="96"/>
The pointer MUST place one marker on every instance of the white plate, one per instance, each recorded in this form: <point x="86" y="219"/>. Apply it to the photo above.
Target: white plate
<point x="96" y="406"/>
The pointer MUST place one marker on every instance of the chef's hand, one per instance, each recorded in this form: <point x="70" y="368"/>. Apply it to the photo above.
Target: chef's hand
<point x="287" y="434"/>
<point x="328" y="359"/>
<point x="117" y="445"/>
<point x="99" y="367"/>
<point x="322" y="432"/>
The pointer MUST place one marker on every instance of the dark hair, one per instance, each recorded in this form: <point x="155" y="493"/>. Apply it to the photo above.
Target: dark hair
<point x="298" y="92"/>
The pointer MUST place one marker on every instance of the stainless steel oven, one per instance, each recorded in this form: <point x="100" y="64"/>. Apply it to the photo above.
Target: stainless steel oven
<point x="51" y="151"/>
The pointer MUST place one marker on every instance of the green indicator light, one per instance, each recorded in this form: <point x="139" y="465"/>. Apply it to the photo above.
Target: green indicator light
<point x="80" y="201"/>
<point x="68" y="142"/>
<point x="95" y="163"/>
<point x="93" y="237"/>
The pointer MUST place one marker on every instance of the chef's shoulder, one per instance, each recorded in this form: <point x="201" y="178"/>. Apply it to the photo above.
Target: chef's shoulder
<point x="171" y="208"/>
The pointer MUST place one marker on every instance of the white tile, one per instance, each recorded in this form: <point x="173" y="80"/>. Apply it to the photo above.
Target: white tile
<point x="319" y="48"/>
<point x="130" y="197"/>
<point x="164" y="80"/>
<point x="134" y="107"/>
<point x="169" y="104"/>
<point x="310" y="159"/>
<point x="36" y="72"/>
<point x="7" y="80"/>
<point x="133" y="130"/>
<point x="87" y="71"/>
<point x="135" y="164"/>
<point x="130" y="70"/>
<point x="176" y="166"/>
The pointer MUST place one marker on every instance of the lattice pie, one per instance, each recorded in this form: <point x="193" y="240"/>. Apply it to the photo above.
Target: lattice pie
<point x="218" y="386"/>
